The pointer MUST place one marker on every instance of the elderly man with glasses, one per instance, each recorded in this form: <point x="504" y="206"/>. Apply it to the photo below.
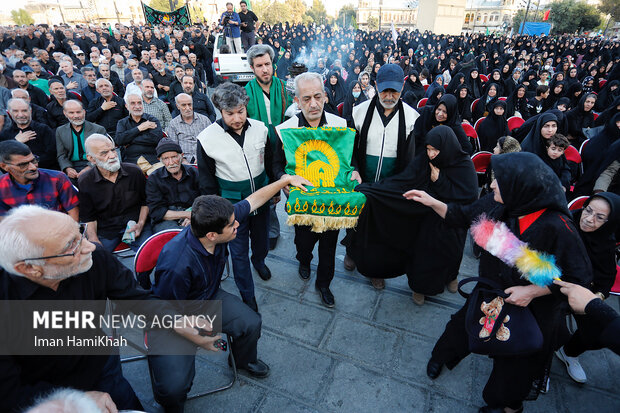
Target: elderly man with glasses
<point x="24" y="183"/>
<point x="46" y="256"/>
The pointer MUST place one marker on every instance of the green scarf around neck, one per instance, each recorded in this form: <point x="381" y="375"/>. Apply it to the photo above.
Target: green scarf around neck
<point x="280" y="100"/>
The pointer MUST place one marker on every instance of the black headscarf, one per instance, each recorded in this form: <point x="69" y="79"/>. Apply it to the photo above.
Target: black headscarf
<point x="606" y="96"/>
<point x="492" y="128"/>
<point x="516" y="104"/>
<point x="475" y="85"/>
<point x="454" y="83"/>
<point x="527" y="184"/>
<point x="483" y="108"/>
<point x="463" y="104"/>
<point x="601" y="244"/>
<point x="413" y="91"/>
<point x="337" y="92"/>
<point x="578" y="118"/>
<point x="534" y="141"/>
<point x="427" y="121"/>
<point x="608" y="113"/>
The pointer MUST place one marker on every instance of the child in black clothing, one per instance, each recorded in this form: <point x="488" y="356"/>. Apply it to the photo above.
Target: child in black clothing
<point x="556" y="159"/>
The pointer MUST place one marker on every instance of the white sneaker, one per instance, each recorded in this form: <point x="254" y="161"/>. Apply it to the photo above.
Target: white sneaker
<point x="573" y="367"/>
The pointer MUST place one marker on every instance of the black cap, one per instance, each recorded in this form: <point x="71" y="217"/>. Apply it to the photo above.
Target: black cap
<point x="54" y="79"/>
<point x="167" y="145"/>
<point x="188" y="66"/>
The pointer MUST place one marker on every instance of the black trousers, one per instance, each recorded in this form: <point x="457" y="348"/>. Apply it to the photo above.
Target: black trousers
<point x="172" y="375"/>
<point x="305" y="240"/>
<point x="511" y="379"/>
<point x="583" y="339"/>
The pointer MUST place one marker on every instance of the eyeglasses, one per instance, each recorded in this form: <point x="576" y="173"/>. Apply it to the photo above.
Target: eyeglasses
<point x="24" y="165"/>
<point x="73" y="248"/>
<point x="597" y="217"/>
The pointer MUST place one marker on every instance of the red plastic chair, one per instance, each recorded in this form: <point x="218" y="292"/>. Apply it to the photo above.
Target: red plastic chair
<point x="577" y="203"/>
<point x="615" y="289"/>
<point x="583" y="145"/>
<point x="145" y="261"/>
<point x="478" y="122"/>
<point x="340" y="106"/>
<point x="595" y="115"/>
<point x="473" y="105"/>
<point x="572" y="154"/>
<point x="601" y="83"/>
<point x="472" y="134"/>
<point x="422" y="103"/>
<point x="76" y="95"/>
<point x="426" y="87"/>
<point x="503" y="98"/>
<point x="515" y="122"/>
<point x="481" y="161"/>
<point x="484" y="78"/>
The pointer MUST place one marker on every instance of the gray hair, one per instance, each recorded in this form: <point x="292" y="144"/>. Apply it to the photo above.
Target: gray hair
<point x="259" y="50"/>
<point x="228" y="96"/>
<point x="16" y="246"/>
<point x="71" y="400"/>
<point x="131" y="94"/>
<point x="12" y="101"/>
<point x="99" y="81"/>
<point x="306" y="77"/>
<point x="70" y="102"/>
<point x="95" y="137"/>
<point x="20" y="91"/>
<point x="181" y="95"/>
<point x="87" y="69"/>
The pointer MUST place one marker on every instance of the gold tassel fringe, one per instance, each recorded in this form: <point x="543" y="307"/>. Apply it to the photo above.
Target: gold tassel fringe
<point x="321" y="224"/>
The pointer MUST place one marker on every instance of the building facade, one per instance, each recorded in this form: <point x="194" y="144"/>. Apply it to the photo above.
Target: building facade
<point x="401" y="13"/>
<point x="493" y="15"/>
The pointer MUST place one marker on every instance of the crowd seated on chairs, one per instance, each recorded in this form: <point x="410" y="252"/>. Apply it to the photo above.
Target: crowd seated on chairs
<point x="90" y="105"/>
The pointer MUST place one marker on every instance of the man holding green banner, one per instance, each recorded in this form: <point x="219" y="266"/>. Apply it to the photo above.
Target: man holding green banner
<point x="329" y="168"/>
<point x="268" y="102"/>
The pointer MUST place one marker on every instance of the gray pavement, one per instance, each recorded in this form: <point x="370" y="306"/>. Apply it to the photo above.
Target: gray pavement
<point x="368" y="354"/>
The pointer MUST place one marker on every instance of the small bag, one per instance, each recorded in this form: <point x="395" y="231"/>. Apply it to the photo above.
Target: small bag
<point x="497" y="328"/>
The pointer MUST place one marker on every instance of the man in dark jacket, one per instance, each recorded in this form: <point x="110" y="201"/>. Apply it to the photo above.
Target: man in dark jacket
<point x="37" y="95"/>
<point x="138" y="133"/>
<point x="38" y="136"/>
<point x="106" y="110"/>
<point x="202" y="103"/>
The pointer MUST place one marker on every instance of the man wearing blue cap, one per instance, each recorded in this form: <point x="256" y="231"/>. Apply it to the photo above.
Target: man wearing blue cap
<point x="384" y="127"/>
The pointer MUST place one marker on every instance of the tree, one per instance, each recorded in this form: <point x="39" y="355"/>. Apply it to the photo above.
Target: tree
<point x="346" y="16"/>
<point x="298" y="10"/>
<point x="532" y="16"/>
<point x="272" y="12"/>
<point x="373" y="23"/>
<point x="569" y="16"/>
<point x="164" y="5"/>
<point x="611" y="7"/>
<point x="21" y="17"/>
<point x="317" y="12"/>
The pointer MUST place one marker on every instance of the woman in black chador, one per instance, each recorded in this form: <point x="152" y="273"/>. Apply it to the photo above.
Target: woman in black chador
<point x="493" y="126"/>
<point x="414" y="240"/>
<point x="528" y="197"/>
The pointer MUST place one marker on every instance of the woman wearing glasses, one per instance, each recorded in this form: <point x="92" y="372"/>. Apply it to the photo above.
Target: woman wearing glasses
<point x="598" y="221"/>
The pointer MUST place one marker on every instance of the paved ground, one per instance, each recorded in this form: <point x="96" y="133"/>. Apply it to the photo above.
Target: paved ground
<point x="368" y="354"/>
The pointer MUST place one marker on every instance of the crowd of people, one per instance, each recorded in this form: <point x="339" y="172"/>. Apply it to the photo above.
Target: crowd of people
<point x="120" y="129"/>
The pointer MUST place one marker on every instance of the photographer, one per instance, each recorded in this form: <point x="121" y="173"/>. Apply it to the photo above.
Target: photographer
<point x="230" y="21"/>
<point x="248" y="21"/>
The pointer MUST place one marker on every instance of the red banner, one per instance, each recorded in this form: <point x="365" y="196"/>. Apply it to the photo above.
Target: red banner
<point x="546" y="16"/>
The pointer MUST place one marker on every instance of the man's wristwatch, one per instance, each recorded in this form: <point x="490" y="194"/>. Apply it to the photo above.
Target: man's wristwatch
<point x="600" y="295"/>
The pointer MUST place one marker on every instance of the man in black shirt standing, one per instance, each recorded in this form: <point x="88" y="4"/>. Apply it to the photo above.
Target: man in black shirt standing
<point x="248" y="20"/>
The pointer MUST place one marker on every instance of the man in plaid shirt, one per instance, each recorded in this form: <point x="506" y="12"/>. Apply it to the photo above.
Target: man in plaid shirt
<point x="184" y="128"/>
<point x="26" y="184"/>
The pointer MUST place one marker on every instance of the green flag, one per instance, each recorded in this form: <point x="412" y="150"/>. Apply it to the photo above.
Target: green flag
<point x="323" y="156"/>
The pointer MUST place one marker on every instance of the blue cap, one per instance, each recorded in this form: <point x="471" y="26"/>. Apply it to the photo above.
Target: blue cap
<point x="390" y="76"/>
<point x="27" y="69"/>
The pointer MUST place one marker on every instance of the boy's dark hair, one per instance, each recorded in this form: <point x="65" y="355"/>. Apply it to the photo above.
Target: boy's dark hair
<point x="558" y="140"/>
<point x="541" y="90"/>
<point x="13" y="147"/>
<point x="210" y="213"/>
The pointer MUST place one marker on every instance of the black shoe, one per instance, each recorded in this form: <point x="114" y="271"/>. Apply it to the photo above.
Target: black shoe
<point x="258" y="369"/>
<point x="326" y="296"/>
<point x="272" y="243"/>
<point x="304" y="272"/>
<point x="433" y="369"/>
<point x="264" y="273"/>
<point x="252" y="304"/>
<point x="349" y="264"/>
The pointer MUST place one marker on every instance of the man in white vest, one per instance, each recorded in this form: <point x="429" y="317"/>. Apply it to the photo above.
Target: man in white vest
<point x="310" y="98"/>
<point x="234" y="161"/>
<point x="384" y="144"/>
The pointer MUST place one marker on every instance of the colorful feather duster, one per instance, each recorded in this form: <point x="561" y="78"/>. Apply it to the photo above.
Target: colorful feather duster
<point x="497" y="239"/>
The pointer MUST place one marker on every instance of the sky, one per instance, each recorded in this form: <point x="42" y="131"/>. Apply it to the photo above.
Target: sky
<point x="332" y="6"/>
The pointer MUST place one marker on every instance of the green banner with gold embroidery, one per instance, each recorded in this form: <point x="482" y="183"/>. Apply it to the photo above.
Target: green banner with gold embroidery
<point x="323" y="156"/>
